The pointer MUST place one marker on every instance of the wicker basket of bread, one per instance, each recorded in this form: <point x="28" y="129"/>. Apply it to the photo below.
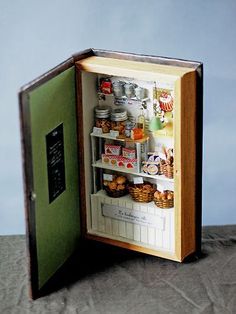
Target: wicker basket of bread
<point x="117" y="187"/>
<point x="143" y="193"/>
<point x="164" y="199"/>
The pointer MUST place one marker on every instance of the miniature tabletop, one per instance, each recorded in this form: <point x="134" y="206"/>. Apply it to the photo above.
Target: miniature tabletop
<point x="104" y="279"/>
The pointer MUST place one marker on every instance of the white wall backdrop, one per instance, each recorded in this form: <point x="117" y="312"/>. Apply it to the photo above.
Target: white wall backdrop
<point x="37" y="35"/>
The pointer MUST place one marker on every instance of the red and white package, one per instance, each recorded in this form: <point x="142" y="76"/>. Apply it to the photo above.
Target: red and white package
<point x="128" y="153"/>
<point x="105" y="159"/>
<point x="131" y="163"/>
<point x="112" y="149"/>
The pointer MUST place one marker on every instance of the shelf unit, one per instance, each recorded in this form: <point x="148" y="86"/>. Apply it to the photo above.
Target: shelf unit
<point x="97" y="164"/>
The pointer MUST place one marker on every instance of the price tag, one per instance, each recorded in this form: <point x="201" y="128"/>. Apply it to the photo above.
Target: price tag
<point x="162" y="156"/>
<point x="97" y="131"/>
<point x="160" y="188"/>
<point x="114" y="133"/>
<point x="107" y="177"/>
<point x="138" y="180"/>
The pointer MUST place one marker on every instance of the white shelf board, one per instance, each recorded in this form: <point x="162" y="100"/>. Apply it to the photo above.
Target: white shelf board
<point x="100" y="164"/>
<point x="109" y="137"/>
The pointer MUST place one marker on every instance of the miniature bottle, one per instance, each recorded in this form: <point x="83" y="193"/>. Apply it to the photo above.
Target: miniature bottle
<point x="141" y="120"/>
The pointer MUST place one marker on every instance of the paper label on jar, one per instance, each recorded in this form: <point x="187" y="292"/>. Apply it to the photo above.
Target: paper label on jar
<point x="107" y="177"/>
<point x="138" y="180"/>
<point x="160" y="188"/>
<point x="162" y="156"/>
<point x="97" y="131"/>
<point x="114" y="134"/>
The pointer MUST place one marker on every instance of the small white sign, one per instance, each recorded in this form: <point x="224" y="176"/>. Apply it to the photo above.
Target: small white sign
<point x="107" y="177"/>
<point x="138" y="180"/>
<point x="114" y="133"/>
<point x="162" y="156"/>
<point x="97" y="131"/>
<point x="160" y="188"/>
<point x="133" y="216"/>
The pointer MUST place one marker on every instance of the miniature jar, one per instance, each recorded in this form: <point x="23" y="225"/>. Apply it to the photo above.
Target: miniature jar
<point x="140" y="92"/>
<point x="118" y="89"/>
<point x="118" y="120"/>
<point x="128" y="127"/>
<point x="102" y="118"/>
<point x="129" y="90"/>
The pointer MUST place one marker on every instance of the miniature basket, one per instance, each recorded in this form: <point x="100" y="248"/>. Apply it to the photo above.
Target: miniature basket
<point x="162" y="166"/>
<point x="164" y="203"/>
<point x="116" y="193"/>
<point x="140" y="193"/>
<point x="168" y="171"/>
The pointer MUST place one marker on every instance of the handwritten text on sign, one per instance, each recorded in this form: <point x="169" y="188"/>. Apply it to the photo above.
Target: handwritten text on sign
<point x="133" y="216"/>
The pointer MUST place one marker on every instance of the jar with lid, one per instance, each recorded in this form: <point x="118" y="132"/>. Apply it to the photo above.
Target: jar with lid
<point x="118" y="120"/>
<point x="118" y="89"/>
<point x="129" y="125"/>
<point x="129" y="89"/>
<point x="102" y="118"/>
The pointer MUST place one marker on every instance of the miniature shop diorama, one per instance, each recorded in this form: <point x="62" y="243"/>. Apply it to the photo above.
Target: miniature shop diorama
<point x="112" y="153"/>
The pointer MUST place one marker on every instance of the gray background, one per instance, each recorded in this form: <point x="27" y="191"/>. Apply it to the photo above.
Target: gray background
<point x="37" y="35"/>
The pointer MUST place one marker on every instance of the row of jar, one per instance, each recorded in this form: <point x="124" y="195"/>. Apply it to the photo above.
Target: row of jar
<point x="120" y="89"/>
<point x="117" y="120"/>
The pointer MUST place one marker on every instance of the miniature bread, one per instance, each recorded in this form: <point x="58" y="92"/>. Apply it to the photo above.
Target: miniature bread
<point x="120" y="180"/>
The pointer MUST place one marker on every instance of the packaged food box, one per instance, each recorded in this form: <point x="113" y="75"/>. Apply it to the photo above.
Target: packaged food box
<point x="112" y="149"/>
<point x="113" y="160"/>
<point x="128" y="153"/>
<point x="131" y="163"/>
<point x="121" y="161"/>
<point x="105" y="159"/>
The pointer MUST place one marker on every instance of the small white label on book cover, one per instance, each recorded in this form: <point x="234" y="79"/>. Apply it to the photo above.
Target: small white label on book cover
<point x="138" y="180"/>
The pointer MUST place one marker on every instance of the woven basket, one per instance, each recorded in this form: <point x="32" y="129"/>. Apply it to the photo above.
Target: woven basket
<point x="164" y="203"/>
<point x="116" y="193"/>
<point x="168" y="171"/>
<point x="162" y="166"/>
<point x="140" y="194"/>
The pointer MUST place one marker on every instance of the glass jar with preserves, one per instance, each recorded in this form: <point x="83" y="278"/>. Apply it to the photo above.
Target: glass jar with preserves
<point x="129" y="125"/>
<point x="102" y="118"/>
<point x="118" y="120"/>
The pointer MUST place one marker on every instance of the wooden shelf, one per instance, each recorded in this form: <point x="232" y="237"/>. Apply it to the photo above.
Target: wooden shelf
<point x="109" y="137"/>
<point x="100" y="164"/>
